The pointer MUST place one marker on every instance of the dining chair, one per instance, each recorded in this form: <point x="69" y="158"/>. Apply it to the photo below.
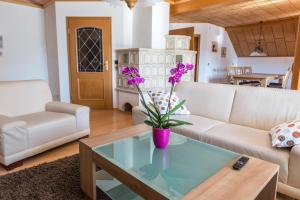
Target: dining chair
<point x="230" y="73"/>
<point x="284" y="82"/>
<point x="247" y="70"/>
<point x="238" y="70"/>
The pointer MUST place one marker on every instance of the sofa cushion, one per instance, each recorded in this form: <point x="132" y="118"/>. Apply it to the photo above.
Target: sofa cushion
<point x="23" y="97"/>
<point x="286" y="134"/>
<point x="200" y="124"/>
<point x="249" y="141"/>
<point x="264" y="108"/>
<point x="161" y="101"/>
<point x="44" y="127"/>
<point x="208" y="100"/>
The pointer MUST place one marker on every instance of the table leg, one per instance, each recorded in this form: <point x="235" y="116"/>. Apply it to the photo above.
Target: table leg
<point x="264" y="83"/>
<point x="269" y="192"/>
<point x="87" y="171"/>
<point x="236" y="81"/>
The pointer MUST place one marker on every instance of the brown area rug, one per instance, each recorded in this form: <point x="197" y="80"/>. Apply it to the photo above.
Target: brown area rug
<point x="58" y="180"/>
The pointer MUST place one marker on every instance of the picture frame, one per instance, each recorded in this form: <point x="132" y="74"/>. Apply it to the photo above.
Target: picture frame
<point x="223" y="52"/>
<point x="1" y="42"/>
<point x="214" y="46"/>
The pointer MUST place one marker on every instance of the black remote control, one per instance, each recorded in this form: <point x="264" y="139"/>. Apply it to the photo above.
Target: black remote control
<point x="240" y="163"/>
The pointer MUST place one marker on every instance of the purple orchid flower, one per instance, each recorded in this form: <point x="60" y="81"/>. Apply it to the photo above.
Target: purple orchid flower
<point x="178" y="71"/>
<point x="133" y="75"/>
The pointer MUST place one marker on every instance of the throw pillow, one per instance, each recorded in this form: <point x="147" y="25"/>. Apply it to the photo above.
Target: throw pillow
<point x="161" y="99"/>
<point x="286" y="134"/>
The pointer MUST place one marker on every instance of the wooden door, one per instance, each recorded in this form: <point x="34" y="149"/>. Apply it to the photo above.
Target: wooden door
<point x="90" y="61"/>
<point x="194" y="44"/>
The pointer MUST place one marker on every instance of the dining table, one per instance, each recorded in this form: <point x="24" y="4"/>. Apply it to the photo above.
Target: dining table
<point x="264" y="79"/>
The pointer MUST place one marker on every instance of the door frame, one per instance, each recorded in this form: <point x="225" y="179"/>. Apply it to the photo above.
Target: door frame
<point x="197" y="64"/>
<point x="109" y="105"/>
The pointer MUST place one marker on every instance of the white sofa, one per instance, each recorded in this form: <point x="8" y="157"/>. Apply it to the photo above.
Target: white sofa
<point x="30" y="122"/>
<point x="239" y="118"/>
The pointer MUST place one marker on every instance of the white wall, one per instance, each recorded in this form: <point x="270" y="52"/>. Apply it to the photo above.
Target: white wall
<point x="269" y="65"/>
<point x="121" y="34"/>
<point x="24" y="45"/>
<point x="141" y="27"/>
<point x="212" y="67"/>
<point x="150" y="26"/>
<point x="160" y="25"/>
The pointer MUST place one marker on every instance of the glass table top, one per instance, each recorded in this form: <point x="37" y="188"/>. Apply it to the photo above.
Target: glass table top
<point x="172" y="172"/>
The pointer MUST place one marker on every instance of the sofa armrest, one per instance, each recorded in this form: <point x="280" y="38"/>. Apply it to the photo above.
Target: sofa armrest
<point x="82" y="113"/>
<point x="13" y="136"/>
<point x="294" y="166"/>
<point x="137" y="116"/>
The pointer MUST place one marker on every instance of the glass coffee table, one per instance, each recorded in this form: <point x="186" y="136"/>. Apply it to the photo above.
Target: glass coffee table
<point x="132" y="168"/>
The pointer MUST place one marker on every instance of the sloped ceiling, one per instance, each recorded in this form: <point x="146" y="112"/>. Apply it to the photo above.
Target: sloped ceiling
<point x="278" y="37"/>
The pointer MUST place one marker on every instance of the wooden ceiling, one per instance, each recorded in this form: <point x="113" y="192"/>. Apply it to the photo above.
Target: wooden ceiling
<point x="227" y="13"/>
<point x="278" y="38"/>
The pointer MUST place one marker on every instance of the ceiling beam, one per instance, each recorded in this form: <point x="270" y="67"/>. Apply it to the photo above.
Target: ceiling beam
<point x="181" y="7"/>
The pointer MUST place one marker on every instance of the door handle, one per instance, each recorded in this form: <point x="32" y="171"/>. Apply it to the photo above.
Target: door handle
<point x="106" y="65"/>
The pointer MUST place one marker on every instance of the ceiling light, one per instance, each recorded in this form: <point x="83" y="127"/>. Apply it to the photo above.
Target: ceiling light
<point x="258" y="50"/>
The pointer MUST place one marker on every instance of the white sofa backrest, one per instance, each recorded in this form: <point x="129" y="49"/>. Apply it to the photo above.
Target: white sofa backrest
<point x="208" y="100"/>
<point x="23" y="97"/>
<point x="264" y="108"/>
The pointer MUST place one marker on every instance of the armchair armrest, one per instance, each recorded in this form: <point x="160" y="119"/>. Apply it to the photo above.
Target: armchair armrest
<point x="62" y="107"/>
<point x="82" y="113"/>
<point x="294" y="166"/>
<point x="13" y="135"/>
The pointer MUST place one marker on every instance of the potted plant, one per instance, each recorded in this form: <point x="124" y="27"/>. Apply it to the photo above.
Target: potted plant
<point x="161" y="123"/>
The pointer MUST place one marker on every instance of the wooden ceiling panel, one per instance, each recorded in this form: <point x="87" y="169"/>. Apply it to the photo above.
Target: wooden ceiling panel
<point x="289" y="32"/>
<point x="244" y="47"/>
<point x="271" y="49"/>
<point x="278" y="37"/>
<point x="268" y="33"/>
<point x="281" y="47"/>
<point x="277" y="31"/>
<point x="296" y="3"/>
<point x="290" y="47"/>
<point x="228" y="13"/>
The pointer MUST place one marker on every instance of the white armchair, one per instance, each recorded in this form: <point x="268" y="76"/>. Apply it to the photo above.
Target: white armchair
<point x="31" y="123"/>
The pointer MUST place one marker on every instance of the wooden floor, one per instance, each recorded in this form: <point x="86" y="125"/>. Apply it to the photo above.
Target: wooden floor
<point x="102" y="122"/>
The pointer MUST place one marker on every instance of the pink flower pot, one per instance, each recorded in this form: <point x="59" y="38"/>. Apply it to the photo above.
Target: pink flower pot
<point x="161" y="137"/>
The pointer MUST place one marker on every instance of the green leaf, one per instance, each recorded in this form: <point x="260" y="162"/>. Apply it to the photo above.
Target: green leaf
<point x="173" y="125"/>
<point x="145" y="113"/>
<point x="150" y="110"/>
<point x="156" y="109"/>
<point x="181" y="122"/>
<point x="167" y="115"/>
<point x="150" y="123"/>
<point x="150" y="115"/>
